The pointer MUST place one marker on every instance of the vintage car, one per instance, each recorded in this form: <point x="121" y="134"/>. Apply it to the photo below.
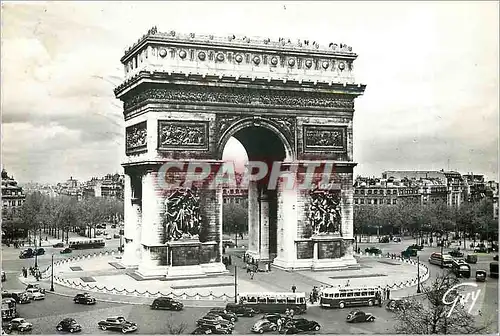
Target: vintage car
<point x="20" y="325"/>
<point x="166" y="303"/>
<point x="373" y="250"/>
<point x="471" y="259"/>
<point x="456" y="253"/>
<point x="481" y="248"/>
<point x="19" y="296"/>
<point x="58" y="245"/>
<point x="215" y="329"/>
<point x="303" y="325"/>
<point x="262" y="326"/>
<point x="211" y="319"/>
<point x="481" y="275"/>
<point x="240" y="310"/>
<point x="69" y="324"/>
<point x="35" y="294"/>
<point x="66" y="251"/>
<point x="117" y="323"/>
<point x="84" y="298"/>
<point x="36" y="286"/>
<point x="357" y="316"/>
<point x="226" y="315"/>
<point x="395" y="305"/>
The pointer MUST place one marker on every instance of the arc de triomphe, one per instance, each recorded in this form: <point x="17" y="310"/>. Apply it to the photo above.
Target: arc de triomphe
<point x="286" y="101"/>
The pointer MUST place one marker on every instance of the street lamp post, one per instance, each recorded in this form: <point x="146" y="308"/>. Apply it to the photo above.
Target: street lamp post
<point x="235" y="284"/>
<point x="442" y="248"/>
<point x="418" y="275"/>
<point x="52" y="275"/>
<point x="36" y="254"/>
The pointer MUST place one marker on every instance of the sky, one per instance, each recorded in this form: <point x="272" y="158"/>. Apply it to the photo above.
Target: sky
<point x="431" y="70"/>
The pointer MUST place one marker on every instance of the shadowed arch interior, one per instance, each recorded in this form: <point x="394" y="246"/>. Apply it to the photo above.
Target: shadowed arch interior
<point x="262" y="144"/>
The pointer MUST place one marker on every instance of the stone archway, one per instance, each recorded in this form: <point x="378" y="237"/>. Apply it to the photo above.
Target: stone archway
<point x="184" y="96"/>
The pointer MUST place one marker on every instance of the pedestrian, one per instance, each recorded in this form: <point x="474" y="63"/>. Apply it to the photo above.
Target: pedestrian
<point x="347" y="284"/>
<point x="287" y="312"/>
<point x="244" y="257"/>
<point x="252" y="273"/>
<point x="388" y="293"/>
<point x="279" y="322"/>
<point x="311" y="297"/>
<point x="229" y="261"/>
<point x="293" y="288"/>
<point x="385" y="294"/>
<point x="248" y="268"/>
<point x="291" y="313"/>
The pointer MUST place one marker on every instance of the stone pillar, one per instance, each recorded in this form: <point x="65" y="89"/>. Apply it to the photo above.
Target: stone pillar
<point x="130" y="222"/>
<point x="264" y="227"/>
<point x="287" y="225"/>
<point x="137" y="216"/>
<point x="315" y="251"/>
<point x="152" y="229"/>
<point x="253" y="219"/>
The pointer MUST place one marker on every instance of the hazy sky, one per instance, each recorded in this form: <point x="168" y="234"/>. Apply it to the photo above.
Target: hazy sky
<point x="431" y="70"/>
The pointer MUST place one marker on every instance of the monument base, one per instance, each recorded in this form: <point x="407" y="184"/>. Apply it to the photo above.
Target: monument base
<point x="347" y="262"/>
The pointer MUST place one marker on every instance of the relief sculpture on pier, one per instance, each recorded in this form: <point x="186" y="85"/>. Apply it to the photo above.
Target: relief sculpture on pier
<point x="318" y="138"/>
<point x="324" y="213"/>
<point x="182" y="215"/>
<point x="136" y="137"/>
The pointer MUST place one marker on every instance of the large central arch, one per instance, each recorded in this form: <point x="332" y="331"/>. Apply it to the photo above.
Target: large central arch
<point x="184" y="97"/>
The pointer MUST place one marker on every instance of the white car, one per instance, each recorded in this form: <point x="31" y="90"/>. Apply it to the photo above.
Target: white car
<point x="35" y="294"/>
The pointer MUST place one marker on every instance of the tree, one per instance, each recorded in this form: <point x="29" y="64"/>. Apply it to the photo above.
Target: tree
<point x="30" y="212"/>
<point x="90" y="213"/>
<point x="234" y="218"/>
<point x="434" y="315"/>
<point x="175" y="328"/>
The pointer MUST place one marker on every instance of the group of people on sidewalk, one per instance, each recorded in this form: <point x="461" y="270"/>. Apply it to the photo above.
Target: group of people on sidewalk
<point x="34" y="271"/>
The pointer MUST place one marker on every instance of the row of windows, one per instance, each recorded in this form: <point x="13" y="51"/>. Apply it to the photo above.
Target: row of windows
<point x="374" y="201"/>
<point x="350" y="294"/>
<point x="234" y="200"/>
<point x="273" y="300"/>
<point x="13" y="202"/>
<point x="12" y="193"/>
<point x="375" y="191"/>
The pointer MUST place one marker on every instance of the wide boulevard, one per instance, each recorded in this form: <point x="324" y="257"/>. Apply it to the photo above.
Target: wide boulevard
<point x="47" y="313"/>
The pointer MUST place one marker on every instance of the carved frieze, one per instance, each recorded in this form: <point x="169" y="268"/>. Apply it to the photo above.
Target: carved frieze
<point x="181" y="135"/>
<point x="324" y="212"/>
<point x="324" y="138"/>
<point x="136" y="138"/>
<point x="182" y="215"/>
<point x="241" y="97"/>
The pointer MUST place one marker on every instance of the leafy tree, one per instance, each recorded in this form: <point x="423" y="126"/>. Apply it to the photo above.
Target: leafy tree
<point x="234" y="218"/>
<point x="30" y="212"/>
<point x="432" y="315"/>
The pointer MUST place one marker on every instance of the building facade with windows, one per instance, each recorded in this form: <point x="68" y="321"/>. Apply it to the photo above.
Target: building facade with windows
<point x="13" y="198"/>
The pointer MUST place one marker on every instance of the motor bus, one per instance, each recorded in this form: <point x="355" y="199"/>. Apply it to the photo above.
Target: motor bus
<point x="494" y="269"/>
<point x="274" y="302"/>
<point x="340" y="297"/>
<point x="86" y="244"/>
<point x="460" y="269"/>
<point x="9" y="309"/>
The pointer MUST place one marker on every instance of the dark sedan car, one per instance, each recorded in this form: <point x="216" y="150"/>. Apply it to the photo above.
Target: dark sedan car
<point x="395" y="305"/>
<point x="357" y="316"/>
<point x="19" y="296"/>
<point x="69" y="324"/>
<point x="240" y="310"/>
<point x="66" y="250"/>
<point x="416" y="247"/>
<point x="166" y="303"/>
<point x="117" y="323"/>
<point x="58" y="245"/>
<point x="456" y="253"/>
<point x="215" y="329"/>
<point x="373" y="250"/>
<point x="226" y="315"/>
<point x="303" y="325"/>
<point x="84" y="298"/>
<point x="212" y="320"/>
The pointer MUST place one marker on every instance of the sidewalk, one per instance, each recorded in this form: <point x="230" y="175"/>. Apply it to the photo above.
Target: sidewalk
<point x="96" y="274"/>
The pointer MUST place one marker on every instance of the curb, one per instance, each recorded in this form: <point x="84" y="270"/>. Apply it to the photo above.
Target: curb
<point x="112" y="301"/>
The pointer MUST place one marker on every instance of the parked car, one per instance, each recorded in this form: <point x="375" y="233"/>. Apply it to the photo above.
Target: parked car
<point x="116" y="235"/>
<point x="25" y="254"/>
<point x="274" y="317"/>
<point x="226" y="315"/>
<point x="69" y="324"/>
<point x="215" y="329"/>
<point x="384" y="239"/>
<point x="240" y="310"/>
<point x="35" y="294"/>
<point x="228" y="243"/>
<point x="481" y="248"/>
<point x="471" y="259"/>
<point x="58" y="245"/>
<point x="66" y="251"/>
<point x="456" y="253"/>
<point x="20" y="325"/>
<point x="262" y="326"/>
<point x="4" y="276"/>
<point x="481" y="276"/>
<point x="84" y="298"/>
<point x="357" y="316"/>
<point x="373" y="250"/>
<point x="212" y="320"/>
<point x="395" y="305"/>
<point x="40" y="251"/>
<point x="19" y="296"/>
<point x="166" y="303"/>
<point x="417" y="247"/>
<point x="36" y="286"/>
<point x="396" y="239"/>
<point x="302" y="324"/>
<point x="117" y="323"/>
<point x="495" y="258"/>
